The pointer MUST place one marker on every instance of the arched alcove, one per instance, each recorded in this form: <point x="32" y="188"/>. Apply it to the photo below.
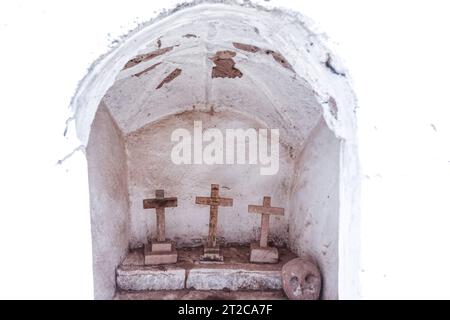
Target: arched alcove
<point x="229" y="66"/>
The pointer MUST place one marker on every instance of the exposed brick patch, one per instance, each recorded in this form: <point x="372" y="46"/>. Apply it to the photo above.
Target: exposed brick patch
<point x="225" y="65"/>
<point x="148" y="56"/>
<point x="147" y="69"/>
<point x="190" y="35"/>
<point x="175" y="73"/>
<point x="280" y="59"/>
<point x="246" y="47"/>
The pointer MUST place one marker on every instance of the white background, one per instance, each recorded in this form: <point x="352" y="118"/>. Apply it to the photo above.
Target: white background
<point x="398" y="54"/>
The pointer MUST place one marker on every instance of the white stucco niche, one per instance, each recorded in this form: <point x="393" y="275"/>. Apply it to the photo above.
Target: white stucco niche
<point x="290" y="80"/>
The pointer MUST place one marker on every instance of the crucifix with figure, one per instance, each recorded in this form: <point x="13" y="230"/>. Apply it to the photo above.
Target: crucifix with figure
<point x="262" y="252"/>
<point x="161" y="250"/>
<point x="211" y="251"/>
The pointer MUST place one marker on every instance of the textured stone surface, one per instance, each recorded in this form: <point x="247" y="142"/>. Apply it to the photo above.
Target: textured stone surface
<point x="200" y="295"/>
<point x="235" y="273"/>
<point x="150" y="278"/>
<point x="232" y="279"/>
<point x="263" y="255"/>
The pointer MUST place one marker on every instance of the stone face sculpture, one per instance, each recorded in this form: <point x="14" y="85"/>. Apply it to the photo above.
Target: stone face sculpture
<point x="261" y="252"/>
<point x="301" y="280"/>
<point x="160" y="251"/>
<point x="211" y="251"/>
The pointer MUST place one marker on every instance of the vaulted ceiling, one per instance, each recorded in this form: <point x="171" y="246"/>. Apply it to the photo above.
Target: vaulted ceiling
<point x="212" y="63"/>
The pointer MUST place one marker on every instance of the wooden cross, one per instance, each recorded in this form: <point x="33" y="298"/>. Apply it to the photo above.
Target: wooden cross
<point x="265" y="210"/>
<point x="160" y="203"/>
<point x="214" y="202"/>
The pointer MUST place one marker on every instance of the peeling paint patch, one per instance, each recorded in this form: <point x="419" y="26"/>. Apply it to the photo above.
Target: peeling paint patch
<point x="146" y="70"/>
<point x="148" y="56"/>
<point x="333" y="107"/>
<point x="246" y="47"/>
<point x="175" y="73"/>
<point x="278" y="57"/>
<point x="225" y="65"/>
<point x="190" y="35"/>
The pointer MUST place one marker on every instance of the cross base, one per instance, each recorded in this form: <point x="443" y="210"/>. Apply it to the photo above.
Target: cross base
<point x="211" y="254"/>
<point x="158" y="253"/>
<point x="263" y="255"/>
<point x="161" y="246"/>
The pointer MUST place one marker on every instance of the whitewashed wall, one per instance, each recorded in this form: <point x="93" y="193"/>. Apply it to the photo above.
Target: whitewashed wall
<point x="399" y="68"/>
<point x="314" y="206"/>
<point x="151" y="168"/>
<point x="109" y="201"/>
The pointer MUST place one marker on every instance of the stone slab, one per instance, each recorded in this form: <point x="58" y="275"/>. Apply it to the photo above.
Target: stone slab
<point x="200" y="295"/>
<point x="232" y="279"/>
<point x="263" y="255"/>
<point x="150" y="278"/>
<point x="235" y="273"/>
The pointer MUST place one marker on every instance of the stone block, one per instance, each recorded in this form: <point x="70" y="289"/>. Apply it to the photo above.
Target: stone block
<point x="159" y="257"/>
<point x="233" y="279"/>
<point x="263" y="255"/>
<point x="150" y="278"/>
<point x="211" y="254"/>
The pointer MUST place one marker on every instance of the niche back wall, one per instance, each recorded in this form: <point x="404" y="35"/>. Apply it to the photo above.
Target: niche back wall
<point x="150" y="168"/>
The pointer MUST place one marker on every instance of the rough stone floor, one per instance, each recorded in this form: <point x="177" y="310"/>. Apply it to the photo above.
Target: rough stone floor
<point x="189" y="279"/>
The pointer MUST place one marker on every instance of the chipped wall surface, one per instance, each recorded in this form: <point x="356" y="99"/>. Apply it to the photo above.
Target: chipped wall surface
<point x="151" y="168"/>
<point x="314" y="219"/>
<point x="109" y="201"/>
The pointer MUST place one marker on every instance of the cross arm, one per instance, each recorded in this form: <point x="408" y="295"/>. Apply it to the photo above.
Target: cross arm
<point x="265" y="210"/>
<point x="223" y="202"/>
<point x="203" y="200"/>
<point x="160" y="203"/>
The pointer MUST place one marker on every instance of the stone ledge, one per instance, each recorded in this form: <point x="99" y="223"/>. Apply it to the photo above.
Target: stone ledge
<point x="150" y="278"/>
<point x="233" y="279"/>
<point x="234" y="274"/>
<point x="200" y="295"/>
